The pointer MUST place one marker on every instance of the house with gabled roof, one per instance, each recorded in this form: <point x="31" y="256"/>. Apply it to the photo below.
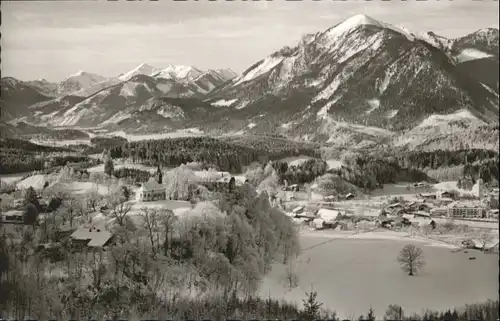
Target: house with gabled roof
<point x="91" y="236"/>
<point x="151" y="191"/>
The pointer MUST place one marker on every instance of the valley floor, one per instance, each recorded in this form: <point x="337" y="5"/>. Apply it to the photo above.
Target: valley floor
<point x="353" y="272"/>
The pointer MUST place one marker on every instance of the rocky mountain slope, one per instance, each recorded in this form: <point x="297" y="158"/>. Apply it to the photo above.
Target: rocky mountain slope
<point x="78" y="81"/>
<point x="361" y="72"/>
<point x="16" y="96"/>
<point x="44" y="87"/>
<point x="85" y="99"/>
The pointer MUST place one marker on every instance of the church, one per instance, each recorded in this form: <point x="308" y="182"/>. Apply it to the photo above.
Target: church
<point x="153" y="190"/>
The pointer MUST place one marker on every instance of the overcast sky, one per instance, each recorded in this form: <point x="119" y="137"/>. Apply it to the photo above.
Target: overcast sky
<point x="53" y="39"/>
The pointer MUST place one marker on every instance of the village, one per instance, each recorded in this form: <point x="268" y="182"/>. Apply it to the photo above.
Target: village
<point x="411" y="206"/>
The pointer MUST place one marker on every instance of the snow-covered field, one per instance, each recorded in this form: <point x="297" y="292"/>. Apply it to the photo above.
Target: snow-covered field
<point x="471" y="54"/>
<point x="79" y="188"/>
<point x="333" y="163"/>
<point x="436" y="120"/>
<point x="12" y="178"/>
<point x="178" y="207"/>
<point x="297" y="160"/>
<point x="180" y="133"/>
<point x="36" y="181"/>
<point x="352" y="273"/>
<point x="100" y="168"/>
<point x="60" y="143"/>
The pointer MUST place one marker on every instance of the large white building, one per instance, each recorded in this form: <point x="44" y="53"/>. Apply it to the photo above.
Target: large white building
<point x="467" y="210"/>
<point x="151" y="191"/>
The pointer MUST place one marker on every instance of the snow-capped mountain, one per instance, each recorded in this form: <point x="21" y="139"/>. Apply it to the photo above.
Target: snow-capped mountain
<point x="78" y="81"/>
<point x="44" y="87"/>
<point x="89" y="91"/>
<point x="361" y="71"/>
<point x="180" y="73"/>
<point x="111" y="104"/>
<point x="227" y="73"/>
<point x="142" y="69"/>
<point x="361" y="78"/>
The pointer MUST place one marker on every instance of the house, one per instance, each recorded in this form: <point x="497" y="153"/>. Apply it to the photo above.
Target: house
<point x="445" y="194"/>
<point x="318" y="223"/>
<point x="151" y="191"/>
<point x="446" y="200"/>
<point x="327" y="215"/>
<point x="349" y="196"/>
<point x="466" y="210"/>
<point x="12" y="217"/>
<point x="298" y="210"/>
<point x="330" y="198"/>
<point x="395" y="206"/>
<point x="91" y="236"/>
<point x="439" y="211"/>
<point x="417" y="206"/>
<point x="493" y="214"/>
<point x="429" y="196"/>
<point x="422" y="214"/>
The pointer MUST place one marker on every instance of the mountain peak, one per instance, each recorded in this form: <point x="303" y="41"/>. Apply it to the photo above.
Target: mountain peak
<point x="142" y="69"/>
<point x="78" y="73"/>
<point x="361" y="19"/>
<point x="358" y="20"/>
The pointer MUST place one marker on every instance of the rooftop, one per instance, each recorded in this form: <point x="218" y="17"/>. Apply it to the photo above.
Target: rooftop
<point x="97" y="236"/>
<point x="152" y="186"/>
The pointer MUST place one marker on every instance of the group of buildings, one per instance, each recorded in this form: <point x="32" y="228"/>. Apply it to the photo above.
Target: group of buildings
<point x="480" y="203"/>
<point x="156" y="189"/>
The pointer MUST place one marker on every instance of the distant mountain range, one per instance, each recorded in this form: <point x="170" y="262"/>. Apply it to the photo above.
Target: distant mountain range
<point x="360" y="77"/>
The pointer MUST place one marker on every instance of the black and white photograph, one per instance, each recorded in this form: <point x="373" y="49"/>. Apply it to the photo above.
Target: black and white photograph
<point x="249" y="160"/>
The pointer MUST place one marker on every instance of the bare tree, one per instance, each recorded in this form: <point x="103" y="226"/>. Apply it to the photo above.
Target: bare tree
<point x="411" y="258"/>
<point x="485" y="238"/>
<point x="149" y="218"/>
<point x="394" y="312"/>
<point x="69" y="209"/>
<point x="167" y="219"/>
<point x="119" y="211"/>
<point x="291" y="277"/>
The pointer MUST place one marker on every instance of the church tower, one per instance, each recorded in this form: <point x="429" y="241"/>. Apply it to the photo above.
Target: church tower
<point x="159" y="175"/>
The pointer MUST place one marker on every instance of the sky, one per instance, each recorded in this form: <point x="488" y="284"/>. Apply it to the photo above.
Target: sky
<point x="53" y="39"/>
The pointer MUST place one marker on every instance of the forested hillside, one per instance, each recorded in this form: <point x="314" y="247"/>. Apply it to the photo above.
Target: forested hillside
<point x="226" y="154"/>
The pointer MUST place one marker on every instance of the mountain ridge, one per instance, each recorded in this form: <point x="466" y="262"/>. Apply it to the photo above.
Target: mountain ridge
<point x="358" y="76"/>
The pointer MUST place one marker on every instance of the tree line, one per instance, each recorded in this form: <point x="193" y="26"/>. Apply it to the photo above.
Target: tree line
<point x="302" y="173"/>
<point x="369" y="172"/>
<point x="445" y="158"/>
<point x="226" y="155"/>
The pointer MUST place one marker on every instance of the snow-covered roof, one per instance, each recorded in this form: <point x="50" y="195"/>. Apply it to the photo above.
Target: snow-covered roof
<point x="466" y="204"/>
<point x="151" y="186"/>
<point x="420" y="213"/>
<point x="97" y="236"/>
<point x="328" y="215"/>
<point x="394" y="205"/>
<point x="298" y="208"/>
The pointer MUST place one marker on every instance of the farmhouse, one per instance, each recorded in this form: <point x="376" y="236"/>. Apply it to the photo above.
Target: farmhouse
<point x="298" y="210"/>
<point x="151" y="191"/>
<point x="429" y="196"/>
<point x="95" y="237"/>
<point x="327" y="215"/>
<point x="445" y="194"/>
